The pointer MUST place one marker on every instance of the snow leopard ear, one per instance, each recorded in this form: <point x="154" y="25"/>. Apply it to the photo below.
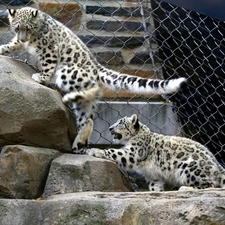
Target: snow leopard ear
<point x="35" y="12"/>
<point x="12" y="12"/>
<point x="135" y="121"/>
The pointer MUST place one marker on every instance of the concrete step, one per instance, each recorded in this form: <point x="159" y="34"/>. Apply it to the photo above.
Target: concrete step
<point x="106" y="39"/>
<point x="116" y="56"/>
<point x="117" y="10"/>
<point x="115" y="25"/>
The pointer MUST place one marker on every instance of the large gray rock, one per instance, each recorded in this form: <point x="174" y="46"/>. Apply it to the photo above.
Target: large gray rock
<point x="30" y="113"/>
<point x="100" y="208"/>
<point x="24" y="170"/>
<point x="76" y="173"/>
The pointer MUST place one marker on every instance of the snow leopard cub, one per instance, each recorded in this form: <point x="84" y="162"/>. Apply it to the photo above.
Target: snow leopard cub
<point x="162" y="159"/>
<point x="78" y="75"/>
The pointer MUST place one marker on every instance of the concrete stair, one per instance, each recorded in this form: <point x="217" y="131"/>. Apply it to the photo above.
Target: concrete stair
<point x="106" y="39"/>
<point x="119" y="8"/>
<point x="118" y="26"/>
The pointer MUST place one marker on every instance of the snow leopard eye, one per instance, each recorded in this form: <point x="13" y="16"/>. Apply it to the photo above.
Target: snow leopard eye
<point x="17" y="30"/>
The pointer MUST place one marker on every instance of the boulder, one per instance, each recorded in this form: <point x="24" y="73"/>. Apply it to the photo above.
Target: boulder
<point x="30" y="113"/>
<point x="200" y="207"/>
<point x="24" y="170"/>
<point x="76" y="173"/>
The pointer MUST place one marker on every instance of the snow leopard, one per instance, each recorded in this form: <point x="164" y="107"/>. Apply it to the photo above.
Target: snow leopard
<point x="77" y="74"/>
<point x="162" y="159"/>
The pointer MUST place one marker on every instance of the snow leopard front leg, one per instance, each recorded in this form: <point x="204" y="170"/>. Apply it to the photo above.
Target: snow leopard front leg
<point x="10" y="47"/>
<point x="48" y="63"/>
<point x="124" y="158"/>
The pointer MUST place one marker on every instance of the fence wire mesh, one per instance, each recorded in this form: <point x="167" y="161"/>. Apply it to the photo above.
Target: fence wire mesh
<point x="150" y="39"/>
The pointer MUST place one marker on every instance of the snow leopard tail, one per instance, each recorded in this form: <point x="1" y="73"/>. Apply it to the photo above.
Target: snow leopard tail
<point x="116" y="81"/>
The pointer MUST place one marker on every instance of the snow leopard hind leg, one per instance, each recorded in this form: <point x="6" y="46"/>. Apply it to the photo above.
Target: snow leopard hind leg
<point x="84" y="105"/>
<point x="84" y="118"/>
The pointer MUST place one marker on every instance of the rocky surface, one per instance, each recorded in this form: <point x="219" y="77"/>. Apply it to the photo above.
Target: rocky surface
<point x="113" y="208"/>
<point x="24" y="170"/>
<point x="77" y="173"/>
<point x="30" y="113"/>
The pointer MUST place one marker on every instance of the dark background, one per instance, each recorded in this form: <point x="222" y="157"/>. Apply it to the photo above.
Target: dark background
<point x="192" y="45"/>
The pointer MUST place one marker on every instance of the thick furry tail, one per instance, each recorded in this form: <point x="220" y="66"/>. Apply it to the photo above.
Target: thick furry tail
<point x="138" y="85"/>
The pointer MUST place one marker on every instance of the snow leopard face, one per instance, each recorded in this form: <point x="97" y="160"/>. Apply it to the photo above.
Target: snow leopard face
<point x="23" y="22"/>
<point x="124" y="128"/>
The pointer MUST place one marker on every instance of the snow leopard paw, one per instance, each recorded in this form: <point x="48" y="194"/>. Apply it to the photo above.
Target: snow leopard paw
<point x="96" y="152"/>
<point x="37" y="78"/>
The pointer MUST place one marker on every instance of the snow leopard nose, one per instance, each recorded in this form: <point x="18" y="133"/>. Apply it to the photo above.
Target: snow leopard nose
<point x="22" y="36"/>
<point x="23" y="40"/>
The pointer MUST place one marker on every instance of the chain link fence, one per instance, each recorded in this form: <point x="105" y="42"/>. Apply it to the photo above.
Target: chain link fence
<point x="151" y="39"/>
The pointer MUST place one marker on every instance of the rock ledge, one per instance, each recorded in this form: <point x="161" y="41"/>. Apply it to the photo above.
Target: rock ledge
<point x="204" y="207"/>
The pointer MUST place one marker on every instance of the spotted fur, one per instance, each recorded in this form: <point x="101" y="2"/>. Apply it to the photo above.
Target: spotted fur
<point x="62" y="55"/>
<point x="162" y="159"/>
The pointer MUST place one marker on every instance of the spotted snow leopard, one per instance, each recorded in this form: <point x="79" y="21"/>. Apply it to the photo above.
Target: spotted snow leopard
<point x="162" y="159"/>
<point x="62" y="55"/>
